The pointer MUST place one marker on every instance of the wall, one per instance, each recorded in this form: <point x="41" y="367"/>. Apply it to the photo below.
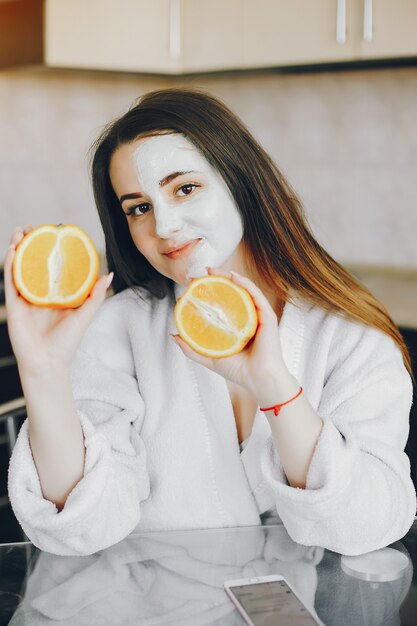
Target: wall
<point x="347" y="141"/>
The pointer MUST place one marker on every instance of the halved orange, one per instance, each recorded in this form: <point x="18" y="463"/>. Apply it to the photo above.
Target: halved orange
<point x="56" y="266"/>
<point x="215" y="316"/>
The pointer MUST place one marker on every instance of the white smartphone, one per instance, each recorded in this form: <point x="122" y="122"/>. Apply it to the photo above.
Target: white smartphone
<point x="269" y="601"/>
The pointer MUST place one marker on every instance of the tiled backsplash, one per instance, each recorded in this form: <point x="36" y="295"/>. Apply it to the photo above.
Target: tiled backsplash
<point x="347" y="141"/>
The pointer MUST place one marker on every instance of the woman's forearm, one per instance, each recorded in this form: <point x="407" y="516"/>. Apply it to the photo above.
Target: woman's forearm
<point x="295" y="430"/>
<point x="55" y="433"/>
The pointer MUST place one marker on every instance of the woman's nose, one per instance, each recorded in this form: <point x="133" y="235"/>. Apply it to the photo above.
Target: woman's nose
<point x="167" y="221"/>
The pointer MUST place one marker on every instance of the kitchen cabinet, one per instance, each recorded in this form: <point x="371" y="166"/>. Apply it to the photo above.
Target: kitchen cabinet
<point x="181" y="36"/>
<point x="21" y="32"/>
<point x="163" y="36"/>
<point x="125" y="35"/>
<point x="211" y="35"/>
<point x="389" y="29"/>
<point x="185" y="36"/>
<point x="301" y="32"/>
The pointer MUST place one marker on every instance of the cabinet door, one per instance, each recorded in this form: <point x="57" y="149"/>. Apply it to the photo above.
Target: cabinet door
<point x="211" y="34"/>
<point x="297" y="32"/>
<point x="132" y="35"/>
<point x="392" y="29"/>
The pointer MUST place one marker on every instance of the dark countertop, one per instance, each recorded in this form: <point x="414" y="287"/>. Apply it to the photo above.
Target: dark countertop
<point x="395" y="288"/>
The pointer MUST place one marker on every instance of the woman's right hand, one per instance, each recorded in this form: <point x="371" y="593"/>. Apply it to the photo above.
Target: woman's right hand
<point x="44" y="338"/>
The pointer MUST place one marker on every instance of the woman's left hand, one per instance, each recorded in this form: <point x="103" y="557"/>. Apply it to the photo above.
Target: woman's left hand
<point x="261" y="358"/>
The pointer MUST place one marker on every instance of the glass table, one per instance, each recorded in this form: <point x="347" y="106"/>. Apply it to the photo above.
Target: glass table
<point x="177" y="578"/>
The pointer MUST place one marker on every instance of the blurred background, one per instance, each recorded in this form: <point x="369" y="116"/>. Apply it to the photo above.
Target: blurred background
<point x="328" y="87"/>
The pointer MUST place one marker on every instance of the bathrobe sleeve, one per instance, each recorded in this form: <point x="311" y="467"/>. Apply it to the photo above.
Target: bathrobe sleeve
<point x="104" y="506"/>
<point x="359" y="495"/>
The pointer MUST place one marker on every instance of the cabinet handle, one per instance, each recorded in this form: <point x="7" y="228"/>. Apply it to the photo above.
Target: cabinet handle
<point x="175" y="29"/>
<point x="367" y="20"/>
<point x="341" y="21"/>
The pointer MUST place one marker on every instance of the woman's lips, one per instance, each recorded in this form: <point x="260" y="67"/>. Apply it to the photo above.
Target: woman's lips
<point x="184" y="251"/>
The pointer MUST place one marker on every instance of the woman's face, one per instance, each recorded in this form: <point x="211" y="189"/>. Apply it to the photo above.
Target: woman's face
<point x="172" y="196"/>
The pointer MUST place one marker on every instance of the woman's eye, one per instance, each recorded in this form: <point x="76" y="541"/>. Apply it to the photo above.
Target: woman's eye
<point x="187" y="189"/>
<point x="138" y="209"/>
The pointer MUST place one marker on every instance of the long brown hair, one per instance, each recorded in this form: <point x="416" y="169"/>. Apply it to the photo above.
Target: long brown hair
<point x="276" y="235"/>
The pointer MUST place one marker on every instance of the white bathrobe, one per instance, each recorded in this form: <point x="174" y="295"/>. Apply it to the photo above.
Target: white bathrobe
<point x="162" y="450"/>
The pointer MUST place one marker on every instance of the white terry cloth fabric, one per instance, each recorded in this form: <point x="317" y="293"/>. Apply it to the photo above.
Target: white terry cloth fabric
<point x="162" y="450"/>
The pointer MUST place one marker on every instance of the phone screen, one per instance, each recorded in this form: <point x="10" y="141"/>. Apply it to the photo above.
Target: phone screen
<point x="272" y="603"/>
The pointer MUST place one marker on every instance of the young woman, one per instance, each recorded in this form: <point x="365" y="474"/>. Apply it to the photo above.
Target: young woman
<point x="128" y="428"/>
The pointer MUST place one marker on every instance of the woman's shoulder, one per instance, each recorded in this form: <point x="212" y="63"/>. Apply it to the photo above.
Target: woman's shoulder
<point x="336" y="328"/>
<point x="347" y="349"/>
<point x="131" y="296"/>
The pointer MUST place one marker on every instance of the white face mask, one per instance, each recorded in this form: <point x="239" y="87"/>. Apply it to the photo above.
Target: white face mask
<point x="209" y="212"/>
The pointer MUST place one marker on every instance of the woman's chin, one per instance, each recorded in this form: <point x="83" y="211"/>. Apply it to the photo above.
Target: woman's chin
<point x="182" y="277"/>
<point x="196" y="273"/>
<point x="186" y="273"/>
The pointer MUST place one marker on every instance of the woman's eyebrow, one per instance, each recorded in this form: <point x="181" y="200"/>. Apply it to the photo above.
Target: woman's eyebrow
<point x="129" y="196"/>
<point x="167" y="179"/>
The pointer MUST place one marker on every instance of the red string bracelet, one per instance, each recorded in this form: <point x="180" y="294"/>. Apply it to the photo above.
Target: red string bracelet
<point x="277" y="407"/>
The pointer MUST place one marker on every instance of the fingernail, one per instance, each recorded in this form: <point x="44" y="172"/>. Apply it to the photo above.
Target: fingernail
<point x="173" y="337"/>
<point x="109" y="279"/>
